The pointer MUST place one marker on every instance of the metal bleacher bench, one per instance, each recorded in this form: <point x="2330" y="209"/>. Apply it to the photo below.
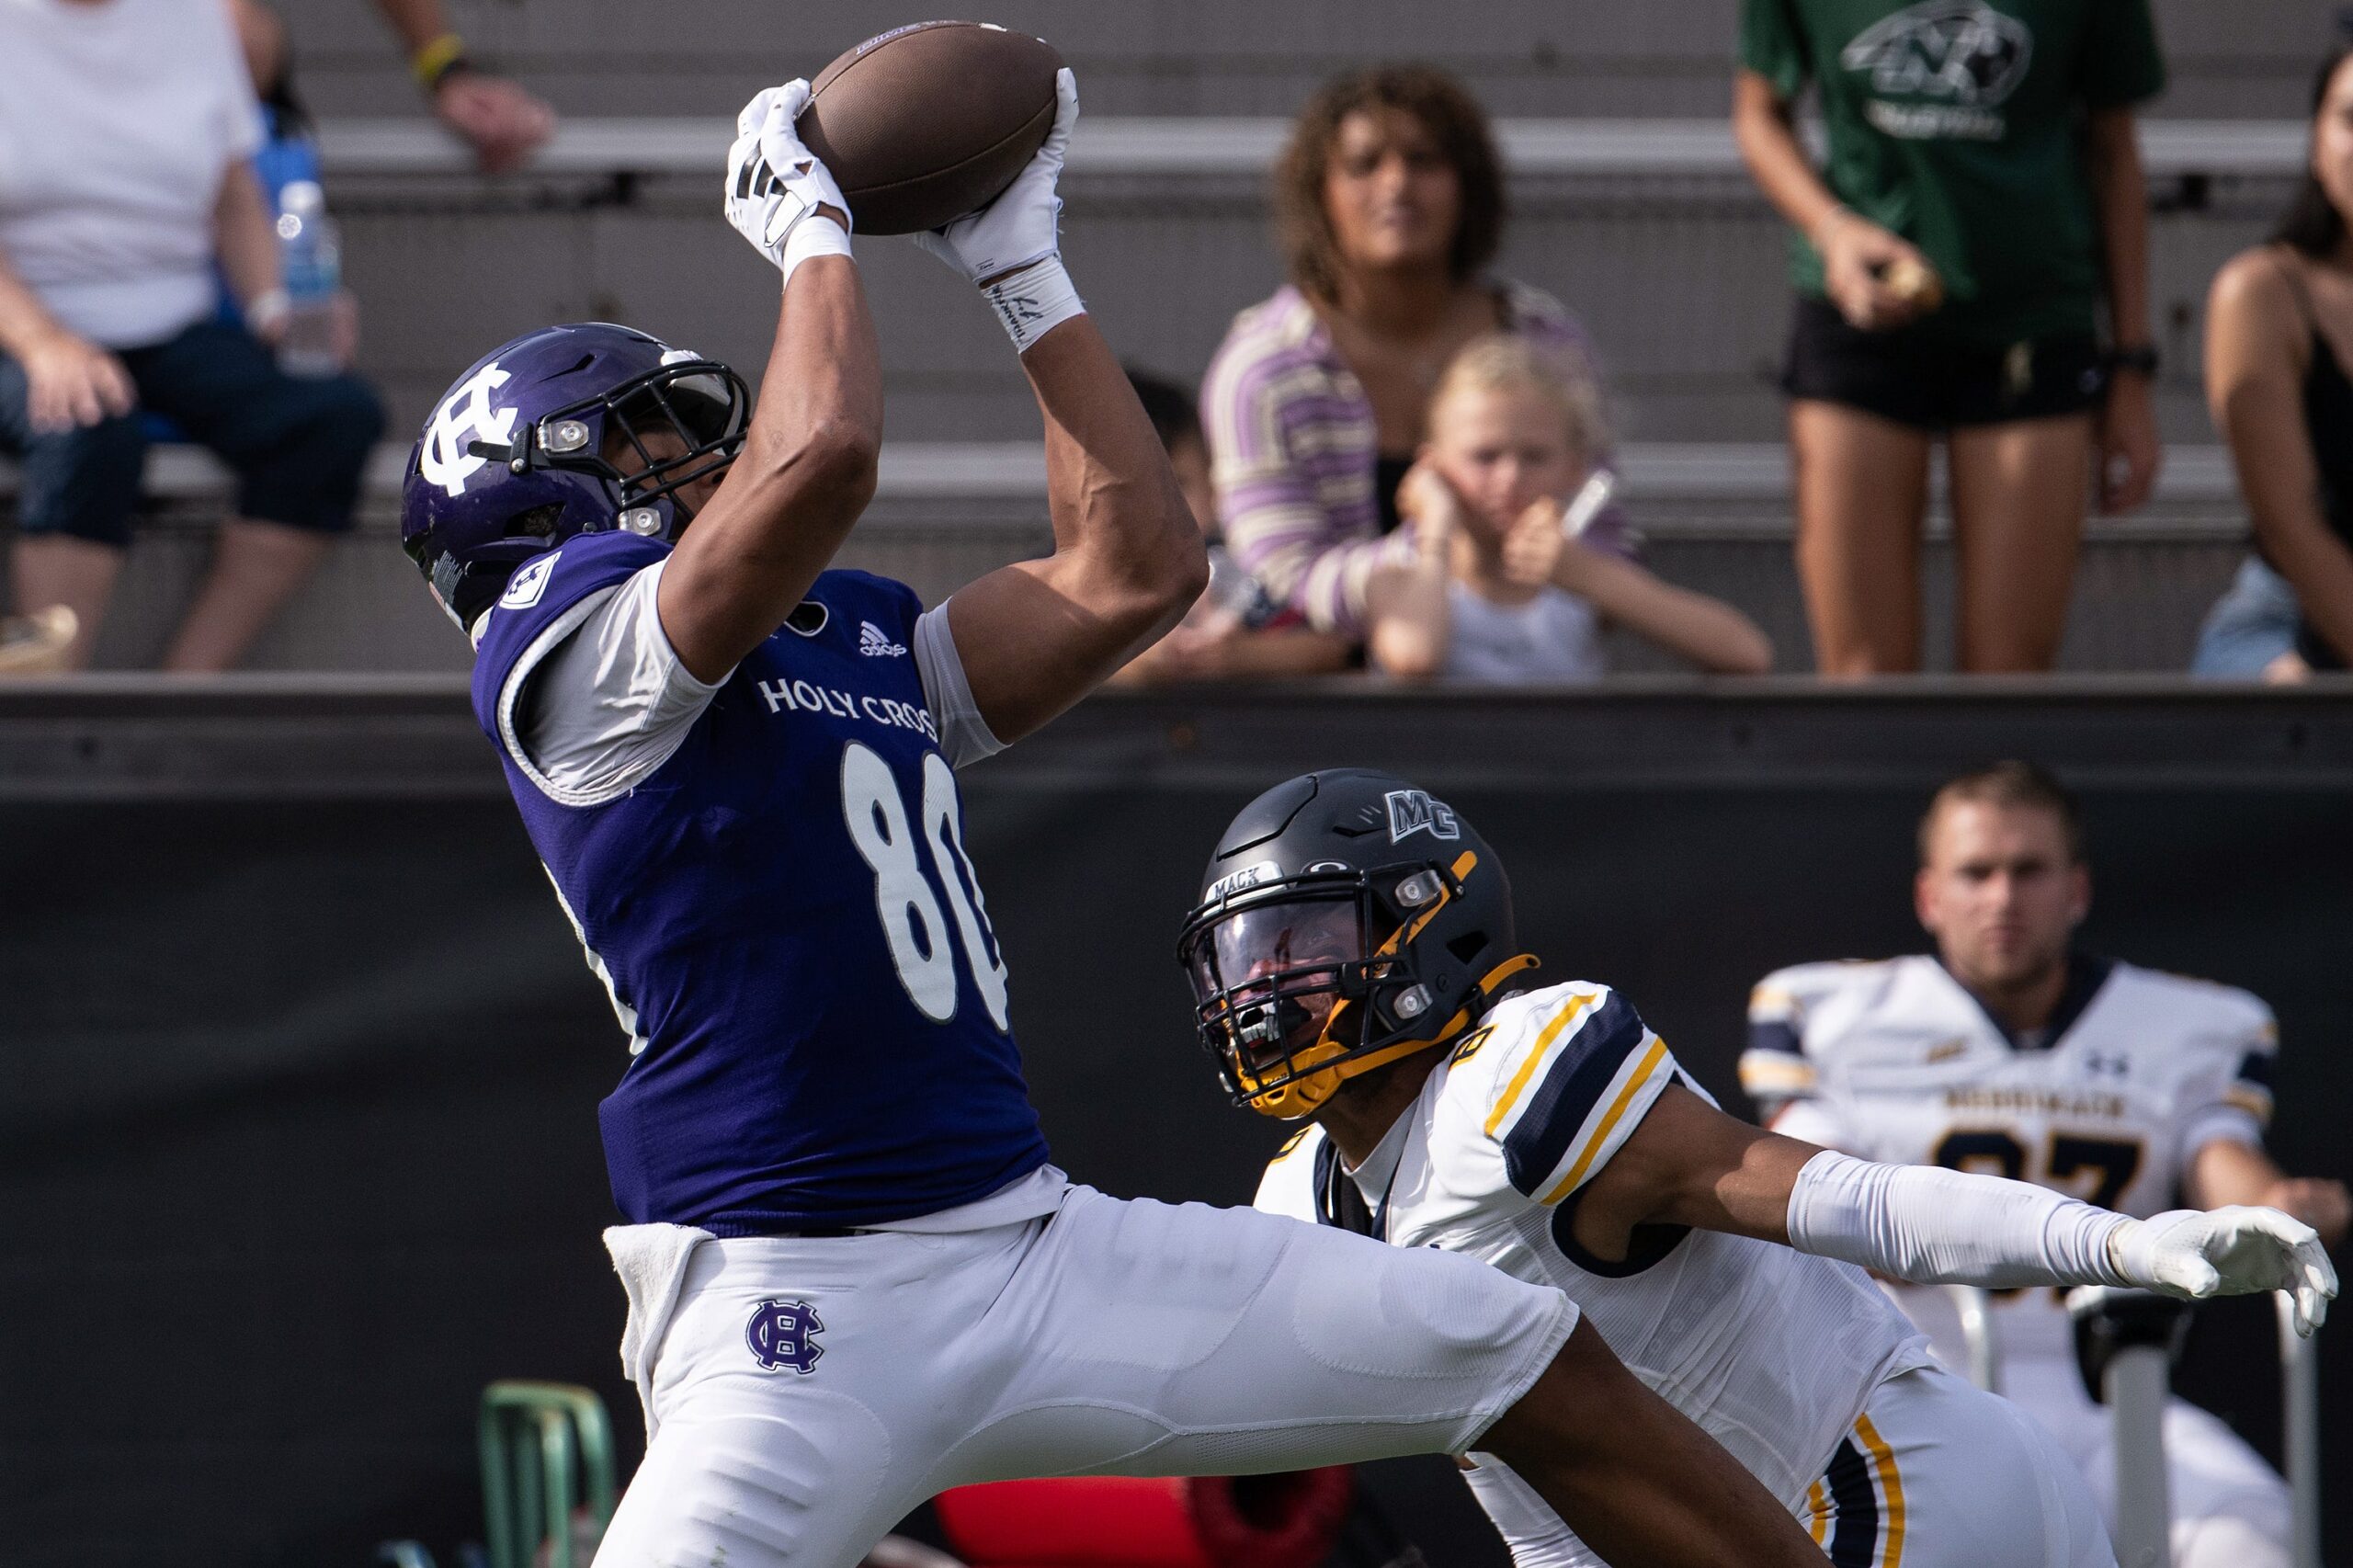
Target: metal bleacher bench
<point x="1114" y="145"/>
<point x="1663" y="482"/>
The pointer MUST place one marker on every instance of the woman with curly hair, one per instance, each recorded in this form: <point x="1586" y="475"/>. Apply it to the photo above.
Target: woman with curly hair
<point x="1390" y="208"/>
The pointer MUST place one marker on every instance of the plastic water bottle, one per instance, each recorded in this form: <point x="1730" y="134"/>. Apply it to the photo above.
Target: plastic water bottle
<point x="311" y="262"/>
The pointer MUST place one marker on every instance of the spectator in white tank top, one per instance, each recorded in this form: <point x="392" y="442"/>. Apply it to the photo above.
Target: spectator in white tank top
<point x="1497" y="589"/>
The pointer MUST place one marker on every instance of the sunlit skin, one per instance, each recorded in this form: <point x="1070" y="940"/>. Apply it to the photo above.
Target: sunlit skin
<point x="2003" y="897"/>
<point x="1391" y="196"/>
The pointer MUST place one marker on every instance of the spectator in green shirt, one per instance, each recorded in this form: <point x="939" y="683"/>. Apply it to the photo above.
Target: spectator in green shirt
<point x="1982" y="220"/>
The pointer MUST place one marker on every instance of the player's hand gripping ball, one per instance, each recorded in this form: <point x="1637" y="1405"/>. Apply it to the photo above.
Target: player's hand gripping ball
<point x="773" y="181"/>
<point x="1023" y="225"/>
<point x="930" y="122"/>
<point x="2234" y="1251"/>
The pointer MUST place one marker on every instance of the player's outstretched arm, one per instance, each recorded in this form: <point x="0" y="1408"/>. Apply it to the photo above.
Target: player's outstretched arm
<point x="807" y="467"/>
<point x="1036" y="636"/>
<point x="1637" y="1481"/>
<point x="1688" y="1163"/>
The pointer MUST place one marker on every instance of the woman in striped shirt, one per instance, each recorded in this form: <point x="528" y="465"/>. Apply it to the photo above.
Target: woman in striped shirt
<point x="1390" y="205"/>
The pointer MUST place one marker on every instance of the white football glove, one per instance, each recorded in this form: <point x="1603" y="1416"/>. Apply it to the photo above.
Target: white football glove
<point x="1012" y="247"/>
<point x="2236" y="1251"/>
<point x="775" y="183"/>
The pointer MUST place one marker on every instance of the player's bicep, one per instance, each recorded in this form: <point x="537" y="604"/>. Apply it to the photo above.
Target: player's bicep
<point x="1036" y="636"/>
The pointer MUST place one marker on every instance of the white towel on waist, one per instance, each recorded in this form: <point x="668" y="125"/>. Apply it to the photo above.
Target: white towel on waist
<point x="652" y="1261"/>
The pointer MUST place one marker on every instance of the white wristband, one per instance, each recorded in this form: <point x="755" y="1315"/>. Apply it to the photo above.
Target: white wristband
<point x="1034" y="300"/>
<point x="813" y="235"/>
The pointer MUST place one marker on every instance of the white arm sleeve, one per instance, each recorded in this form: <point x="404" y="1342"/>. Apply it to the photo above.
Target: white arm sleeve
<point x="965" y="735"/>
<point x="599" y="701"/>
<point x="1940" y="1227"/>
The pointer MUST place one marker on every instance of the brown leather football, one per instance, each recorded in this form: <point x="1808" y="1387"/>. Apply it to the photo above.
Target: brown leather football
<point x="927" y="122"/>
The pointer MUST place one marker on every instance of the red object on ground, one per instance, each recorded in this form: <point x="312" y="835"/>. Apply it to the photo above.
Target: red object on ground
<point x="1255" y="1521"/>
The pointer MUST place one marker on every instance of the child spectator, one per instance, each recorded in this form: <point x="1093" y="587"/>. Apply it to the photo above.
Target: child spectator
<point x="1497" y="589"/>
<point x="1390" y="208"/>
<point x="1236" y="630"/>
<point x="2278" y="339"/>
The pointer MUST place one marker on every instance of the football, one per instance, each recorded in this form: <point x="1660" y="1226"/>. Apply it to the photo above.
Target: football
<point x="927" y="122"/>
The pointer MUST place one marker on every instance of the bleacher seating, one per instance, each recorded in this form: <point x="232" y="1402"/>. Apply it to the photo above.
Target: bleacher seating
<point x="1630" y="205"/>
<point x="1714" y="515"/>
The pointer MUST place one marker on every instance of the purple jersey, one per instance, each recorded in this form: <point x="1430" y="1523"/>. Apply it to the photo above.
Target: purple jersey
<point x="784" y="911"/>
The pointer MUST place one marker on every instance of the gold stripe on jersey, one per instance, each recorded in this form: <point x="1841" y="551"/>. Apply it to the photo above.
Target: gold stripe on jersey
<point x="1648" y="1065"/>
<point x="1772" y="1073"/>
<point x="1817" y="1506"/>
<point x="1890" y="1491"/>
<point x="1291" y="1144"/>
<point x="1568" y="1014"/>
<point x="1771" y="1001"/>
<point x="2248" y="1097"/>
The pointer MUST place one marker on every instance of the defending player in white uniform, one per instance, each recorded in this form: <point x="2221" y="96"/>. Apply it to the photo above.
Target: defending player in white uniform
<point x="2011" y="1053"/>
<point x="854" y="1276"/>
<point x="1354" y="960"/>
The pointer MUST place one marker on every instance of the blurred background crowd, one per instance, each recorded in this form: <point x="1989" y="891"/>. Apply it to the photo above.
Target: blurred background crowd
<point x="1527" y="399"/>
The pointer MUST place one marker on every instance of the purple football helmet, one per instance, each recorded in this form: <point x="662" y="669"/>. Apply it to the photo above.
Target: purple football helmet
<point x="565" y="430"/>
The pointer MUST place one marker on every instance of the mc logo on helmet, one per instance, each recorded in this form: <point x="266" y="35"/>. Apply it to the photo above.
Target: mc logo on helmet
<point x="1412" y="810"/>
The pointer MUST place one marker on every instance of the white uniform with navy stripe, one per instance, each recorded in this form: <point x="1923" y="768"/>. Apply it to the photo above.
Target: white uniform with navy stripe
<point x="2138" y="1071"/>
<point x="1796" y="1364"/>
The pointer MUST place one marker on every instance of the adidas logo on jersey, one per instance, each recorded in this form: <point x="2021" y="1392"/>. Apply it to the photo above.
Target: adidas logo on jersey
<point x="875" y="643"/>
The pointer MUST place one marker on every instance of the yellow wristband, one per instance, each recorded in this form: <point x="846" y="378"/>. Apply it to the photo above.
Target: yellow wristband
<point x="431" y="64"/>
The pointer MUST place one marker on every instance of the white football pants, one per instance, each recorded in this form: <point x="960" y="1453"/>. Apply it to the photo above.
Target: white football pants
<point x="1113" y="1338"/>
<point x="1934" y="1475"/>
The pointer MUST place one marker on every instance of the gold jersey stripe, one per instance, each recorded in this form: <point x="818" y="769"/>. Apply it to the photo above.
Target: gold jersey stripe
<point x="1891" y="1488"/>
<point x="1641" y="1076"/>
<point x="1568" y="1014"/>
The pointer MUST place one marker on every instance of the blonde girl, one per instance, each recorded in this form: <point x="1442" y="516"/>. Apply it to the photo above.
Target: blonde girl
<point x="1498" y="589"/>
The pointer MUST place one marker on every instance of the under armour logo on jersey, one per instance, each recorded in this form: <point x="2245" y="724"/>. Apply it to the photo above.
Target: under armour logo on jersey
<point x="875" y="643"/>
<point x="784" y="1334"/>
<point x="1412" y="810"/>
<point x="446" y="456"/>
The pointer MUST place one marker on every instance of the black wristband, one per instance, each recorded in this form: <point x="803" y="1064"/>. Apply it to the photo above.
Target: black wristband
<point x="2141" y="359"/>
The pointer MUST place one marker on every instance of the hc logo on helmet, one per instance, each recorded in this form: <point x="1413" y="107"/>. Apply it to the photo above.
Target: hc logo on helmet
<point x="443" y="458"/>
<point x="1412" y="810"/>
<point x="784" y="1334"/>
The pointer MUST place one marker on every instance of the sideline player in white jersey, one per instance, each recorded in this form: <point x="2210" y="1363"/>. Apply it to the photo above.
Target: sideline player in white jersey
<point x="2010" y="1051"/>
<point x="1354" y="960"/>
<point x="855" y="1280"/>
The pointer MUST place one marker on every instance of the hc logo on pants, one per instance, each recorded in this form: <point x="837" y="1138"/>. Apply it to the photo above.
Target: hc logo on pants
<point x="783" y="1334"/>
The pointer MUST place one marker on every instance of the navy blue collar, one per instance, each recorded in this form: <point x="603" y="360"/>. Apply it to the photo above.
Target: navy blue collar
<point x="2086" y="972"/>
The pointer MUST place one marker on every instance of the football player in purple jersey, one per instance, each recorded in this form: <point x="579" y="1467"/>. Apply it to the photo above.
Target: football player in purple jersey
<point x="855" y="1280"/>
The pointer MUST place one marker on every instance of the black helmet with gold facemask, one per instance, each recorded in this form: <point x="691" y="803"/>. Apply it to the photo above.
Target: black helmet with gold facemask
<point x="1346" y="920"/>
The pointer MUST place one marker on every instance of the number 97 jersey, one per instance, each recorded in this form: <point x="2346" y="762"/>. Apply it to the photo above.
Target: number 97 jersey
<point x="1896" y="1061"/>
<point x="779" y="902"/>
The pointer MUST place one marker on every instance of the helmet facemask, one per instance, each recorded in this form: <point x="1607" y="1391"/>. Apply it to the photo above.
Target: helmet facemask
<point x="1303" y="984"/>
<point x="650" y="439"/>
